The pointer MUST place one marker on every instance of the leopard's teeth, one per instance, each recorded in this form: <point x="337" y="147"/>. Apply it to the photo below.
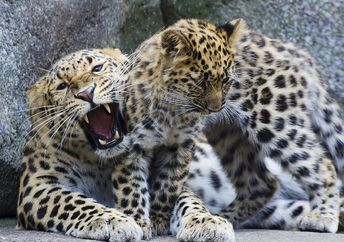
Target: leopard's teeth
<point x="86" y="119"/>
<point x="107" y="107"/>
<point x="102" y="142"/>
<point x="117" y="135"/>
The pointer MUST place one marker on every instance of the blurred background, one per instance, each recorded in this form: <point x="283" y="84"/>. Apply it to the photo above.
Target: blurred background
<point x="35" y="33"/>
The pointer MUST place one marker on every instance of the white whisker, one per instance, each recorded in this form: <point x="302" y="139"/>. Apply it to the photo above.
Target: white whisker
<point x="71" y="119"/>
<point x="59" y="124"/>
<point x="30" y="109"/>
<point x="42" y="125"/>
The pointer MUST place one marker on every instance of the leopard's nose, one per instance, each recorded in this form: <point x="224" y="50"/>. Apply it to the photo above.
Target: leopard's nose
<point x="86" y="94"/>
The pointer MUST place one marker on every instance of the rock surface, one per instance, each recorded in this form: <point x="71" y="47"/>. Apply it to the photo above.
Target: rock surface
<point x="34" y="34"/>
<point x="8" y="233"/>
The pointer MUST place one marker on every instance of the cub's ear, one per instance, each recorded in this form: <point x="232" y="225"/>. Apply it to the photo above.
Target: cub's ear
<point x="234" y="29"/>
<point x="114" y="53"/>
<point x="36" y="93"/>
<point x="175" y="45"/>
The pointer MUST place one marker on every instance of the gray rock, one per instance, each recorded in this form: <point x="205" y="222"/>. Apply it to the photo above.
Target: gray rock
<point x="34" y="34"/>
<point x="8" y="234"/>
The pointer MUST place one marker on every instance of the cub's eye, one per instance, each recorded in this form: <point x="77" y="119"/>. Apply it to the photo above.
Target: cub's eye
<point x="226" y="80"/>
<point x="62" y="86"/>
<point x="97" y="68"/>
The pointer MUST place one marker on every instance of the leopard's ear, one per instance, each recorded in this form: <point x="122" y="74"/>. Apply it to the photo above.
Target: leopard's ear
<point x="37" y="92"/>
<point x="175" y="45"/>
<point x="234" y="29"/>
<point x="114" y="53"/>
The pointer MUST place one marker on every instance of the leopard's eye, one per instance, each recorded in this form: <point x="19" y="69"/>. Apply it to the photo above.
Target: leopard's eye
<point x="62" y="86"/>
<point x="97" y="68"/>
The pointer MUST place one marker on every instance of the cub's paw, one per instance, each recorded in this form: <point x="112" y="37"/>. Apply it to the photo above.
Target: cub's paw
<point x="113" y="229"/>
<point x="341" y="216"/>
<point x="161" y="225"/>
<point x="126" y="230"/>
<point x="315" y="221"/>
<point x="205" y="227"/>
<point x="146" y="228"/>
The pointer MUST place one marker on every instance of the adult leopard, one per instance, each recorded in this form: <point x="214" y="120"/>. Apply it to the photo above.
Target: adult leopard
<point x="65" y="187"/>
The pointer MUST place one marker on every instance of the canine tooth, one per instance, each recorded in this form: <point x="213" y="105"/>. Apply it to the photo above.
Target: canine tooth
<point x="86" y="119"/>
<point x="107" y="107"/>
<point x="117" y="135"/>
<point x="102" y="142"/>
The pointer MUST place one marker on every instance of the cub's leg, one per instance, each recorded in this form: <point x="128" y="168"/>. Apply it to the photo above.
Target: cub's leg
<point x="192" y="221"/>
<point x="306" y="162"/>
<point x="131" y="193"/>
<point x="254" y="185"/>
<point x="167" y="180"/>
<point x="229" y="176"/>
<point x="47" y="205"/>
<point x="327" y="122"/>
<point x="323" y="195"/>
<point x="284" y="214"/>
<point x="279" y="214"/>
<point x="341" y="216"/>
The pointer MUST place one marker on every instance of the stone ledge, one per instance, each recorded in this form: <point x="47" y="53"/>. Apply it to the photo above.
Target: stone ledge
<point x="9" y="234"/>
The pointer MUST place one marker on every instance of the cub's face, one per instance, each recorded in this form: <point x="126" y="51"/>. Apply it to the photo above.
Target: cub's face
<point x="73" y="92"/>
<point x="198" y="60"/>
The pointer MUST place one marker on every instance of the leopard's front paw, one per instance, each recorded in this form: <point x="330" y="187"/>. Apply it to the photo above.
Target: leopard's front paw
<point x="113" y="229"/>
<point x="205" y="227"/>
<point x="316" y="221"/>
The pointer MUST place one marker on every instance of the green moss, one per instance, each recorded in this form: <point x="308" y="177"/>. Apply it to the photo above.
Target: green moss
<point x="201" y="9"/>
<point x="143" y="18"/>
<point x="7" y="222"/>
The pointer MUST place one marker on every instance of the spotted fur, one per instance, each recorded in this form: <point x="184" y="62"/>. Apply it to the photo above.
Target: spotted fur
<point x="277" y="107"/>
<point x="276" y="89"/>
<point x="287" y="207"/>
<point x="64" y="186"/>
<point x="172" y="87"/>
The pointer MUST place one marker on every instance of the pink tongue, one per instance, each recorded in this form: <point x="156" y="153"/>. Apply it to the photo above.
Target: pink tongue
<point x="101" y="122"/>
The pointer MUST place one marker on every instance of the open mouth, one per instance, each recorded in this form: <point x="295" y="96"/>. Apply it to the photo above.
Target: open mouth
<point x="104" y="126"/>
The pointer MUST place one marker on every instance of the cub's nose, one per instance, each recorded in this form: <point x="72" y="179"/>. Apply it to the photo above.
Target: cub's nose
<point x="214" y="105"/>
<point x="86" y="94"/>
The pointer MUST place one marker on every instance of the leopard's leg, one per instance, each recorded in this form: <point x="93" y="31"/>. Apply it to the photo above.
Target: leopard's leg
<point x="279" y="214"/>
<point x="167" y="183"/>
<point x="131" y="193"/>
<point x="49" y="206"/>
<point x="192" y="221"/>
